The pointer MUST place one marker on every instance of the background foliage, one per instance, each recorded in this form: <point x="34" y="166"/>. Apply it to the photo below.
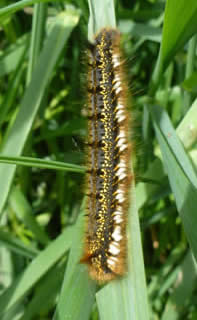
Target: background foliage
<point x="43" y="127"/>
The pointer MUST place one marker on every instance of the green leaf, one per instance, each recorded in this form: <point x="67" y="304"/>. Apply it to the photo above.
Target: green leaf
<point x="174" y="38"/>
<point x="102" y="14"/>
<point x="161" y="276"/>
<point x="144" y="31"/>
<point x="182" y="177"/>
<point x="18" y="134"/>
<point x="190" y="84"/>
<point x="12" y="91"/>
<point x="37" y="36"/>
<point x="183" y="291"/>
<point x="7" y="11"/>
<point x="187" y="129"/>
<point x="24" y="212"/>
<point x="46" y="293"/>
<point x="187" y="132"/>
<point x="42" y="164"/>
<point x="77" y="286"/>
<point x="179" y="26"/>
<point x="35" y="271"/>
<point x="190" y="67"/>
<point x="13" y="55"/>
<point x="16" y="245"/>
<point x="174" y="144"/>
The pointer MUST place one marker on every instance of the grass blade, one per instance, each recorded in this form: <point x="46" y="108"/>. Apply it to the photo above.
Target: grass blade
<point x="102" y="14"/>
<point x="182" y="179"/>
<point x="187" y="132"/>
<point x="23" y="211"/>
<point x="42" y="164"/>
<point x="37" y="36"/>
<point x="185" y="285"/>
<point x="174" y="38"/>
<point x="47" y="292"/>
<point x="18" y="134"/>
<point x="36" y="269"/>
<point x="77" y="286"/>
<point x="13" y="55"/>
<point x="7" y="11"/>
<point x="16" y="245"/>
<point x="12" y="90"/>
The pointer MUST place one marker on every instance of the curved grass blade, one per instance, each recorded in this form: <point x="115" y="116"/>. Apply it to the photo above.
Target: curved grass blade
<point x="30" y="104"/>
<point x="162" y="120"/>
<point x="182" y="177"/>
<point x="187" y="132"/>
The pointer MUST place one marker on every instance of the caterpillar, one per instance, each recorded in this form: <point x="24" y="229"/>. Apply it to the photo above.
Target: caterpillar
<point x="108" y="174"/>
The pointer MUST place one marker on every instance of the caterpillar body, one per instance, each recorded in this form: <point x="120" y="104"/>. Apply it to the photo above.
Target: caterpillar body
<point x="108" y="175"/>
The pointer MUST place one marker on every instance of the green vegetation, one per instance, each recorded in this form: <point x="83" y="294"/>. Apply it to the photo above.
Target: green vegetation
<point x="42" y="160"/>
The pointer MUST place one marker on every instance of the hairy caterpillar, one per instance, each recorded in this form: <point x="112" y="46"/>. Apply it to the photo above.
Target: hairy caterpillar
<point x="108" y="176"/>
